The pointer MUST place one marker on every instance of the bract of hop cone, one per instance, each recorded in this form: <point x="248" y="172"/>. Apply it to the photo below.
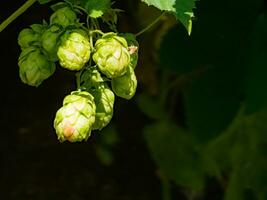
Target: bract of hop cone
<point x="74" y="120"/>
<point x="112" y="55"/>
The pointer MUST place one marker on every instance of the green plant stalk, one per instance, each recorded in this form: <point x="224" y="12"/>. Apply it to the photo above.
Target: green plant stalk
<point x="16" y="14"/>
<point x="150" y="25"/>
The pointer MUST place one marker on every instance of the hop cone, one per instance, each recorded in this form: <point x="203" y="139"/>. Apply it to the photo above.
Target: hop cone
<point x="112" y="56"/>
<point x="133" y="47"/>
<point x="91" y="79"/>
<point x="29" y="36"/>
<point x="104" y="100"/>
<point x="50" y="41"/>
<point x="73" y="121"/>
<point x="125" y="86"/>
<point x="64" y="17"/>
<point x="34" y="67"/>
<point x="74" y="50"/>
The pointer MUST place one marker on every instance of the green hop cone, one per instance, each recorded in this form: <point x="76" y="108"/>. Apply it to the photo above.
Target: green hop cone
<point x="104" y="100"/>
<point x="64" y="16"/>
<point x="133" y="47"/>
<point x="50" y="41"/>
<point x="34" y="67"/>
<point x="74" y="120"/>
<point x="112" y="56"/>
<point x="29" y="36"/>
<point x="125" y="86"/>
<point x="74" y="50"/>
<point x="91" y="79"/>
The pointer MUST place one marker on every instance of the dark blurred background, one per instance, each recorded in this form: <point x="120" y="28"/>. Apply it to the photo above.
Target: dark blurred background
<point x="181" y="137"/>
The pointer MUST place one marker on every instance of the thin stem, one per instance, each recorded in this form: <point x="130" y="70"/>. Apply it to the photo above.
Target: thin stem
<point x="17" y="13"/>
<point x="150" y="25"/>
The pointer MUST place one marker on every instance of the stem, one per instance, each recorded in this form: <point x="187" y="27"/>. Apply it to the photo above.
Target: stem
<point x="150" y="25"/>
<point x="17" y="13"/>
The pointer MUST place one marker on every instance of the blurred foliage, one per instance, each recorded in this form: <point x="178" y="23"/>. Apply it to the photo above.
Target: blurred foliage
<point x="220" y="73"/>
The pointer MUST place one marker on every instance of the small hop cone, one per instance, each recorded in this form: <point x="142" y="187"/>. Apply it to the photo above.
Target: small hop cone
<point x="73" y="121"/>
<point x="50" y="41"/>
<point x="74" y="50"/>
<point x="64" y="17"/>
<point x="34" y="67"/>
<point x="30" y="36"/>
<point x="91" y="79"/>
<point x="104" y="100"/>
<point x="133" y="47"/>
<point x="125" y="86"/>
<point x="112" y="56"/>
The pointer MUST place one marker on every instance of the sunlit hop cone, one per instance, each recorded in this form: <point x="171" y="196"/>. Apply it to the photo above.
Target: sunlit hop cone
<point x="104" y="100"/>
<point x="125" y="86"/>
<point x="64" y="17"/>
<point x="34" y="67"/>
<point x="73" y="121"/>
<point x="50" y="41"/>
<point x="133" y="47"/>
<point x="112" y="56"/>
<point x="30" y="36"/>
<point x="74" y="50"/>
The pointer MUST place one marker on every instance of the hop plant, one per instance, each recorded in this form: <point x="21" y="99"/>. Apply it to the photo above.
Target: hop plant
<point x="50" y="40"/>
<point x="104" y="100"/>
<point x="112" y="56"/>
<point x="74" y="50"/>
<point x="73" y="121"/>
<point x="34" y="67"/>
<point x="125" y="86"/>
<point x="30" y="36"/>
<point x="64" y="16"/>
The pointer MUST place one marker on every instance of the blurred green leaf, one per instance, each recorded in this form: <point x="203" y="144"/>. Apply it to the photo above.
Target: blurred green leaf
<point x="150" y="107"/>
<point x="104" y="155"/>
<point x="44" y="1"/>
<point x="256" y="82"/>
<point x="175" y="153"/>
<point x="182" y="9"/>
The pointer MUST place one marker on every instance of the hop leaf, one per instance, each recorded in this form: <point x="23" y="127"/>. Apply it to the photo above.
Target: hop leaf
<point x="34" y="67"/>
<point x="29" y="36"/>
<point x="104" y="100"/>
<point x="133" y="47"/>
<point x="112" y="56"/>
<point x="125" y="86"/>
<point x="73" y="121"/>
<point x="74" y="50"/>
<point x="64" y="16"/>
<point x="50" y="41"/>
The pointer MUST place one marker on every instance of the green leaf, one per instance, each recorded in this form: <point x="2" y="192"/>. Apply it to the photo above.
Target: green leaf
<point x="175" y="153"/>
<point x="182" y="9"/>
<point x="256" y="81"/>
<point x="150" y="107"/>
<point x="96" y="8"/>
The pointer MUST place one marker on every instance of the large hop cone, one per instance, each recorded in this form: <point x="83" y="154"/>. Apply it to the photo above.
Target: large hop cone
<point x="112" y="56"/>
<point x="74" y="120"/>
<point x="104" y="100"/>
<point x="64" y="16"/>
<point x="34" y="67"/>
<point x="74" y="50"/>
<point x="125" y="85"/>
